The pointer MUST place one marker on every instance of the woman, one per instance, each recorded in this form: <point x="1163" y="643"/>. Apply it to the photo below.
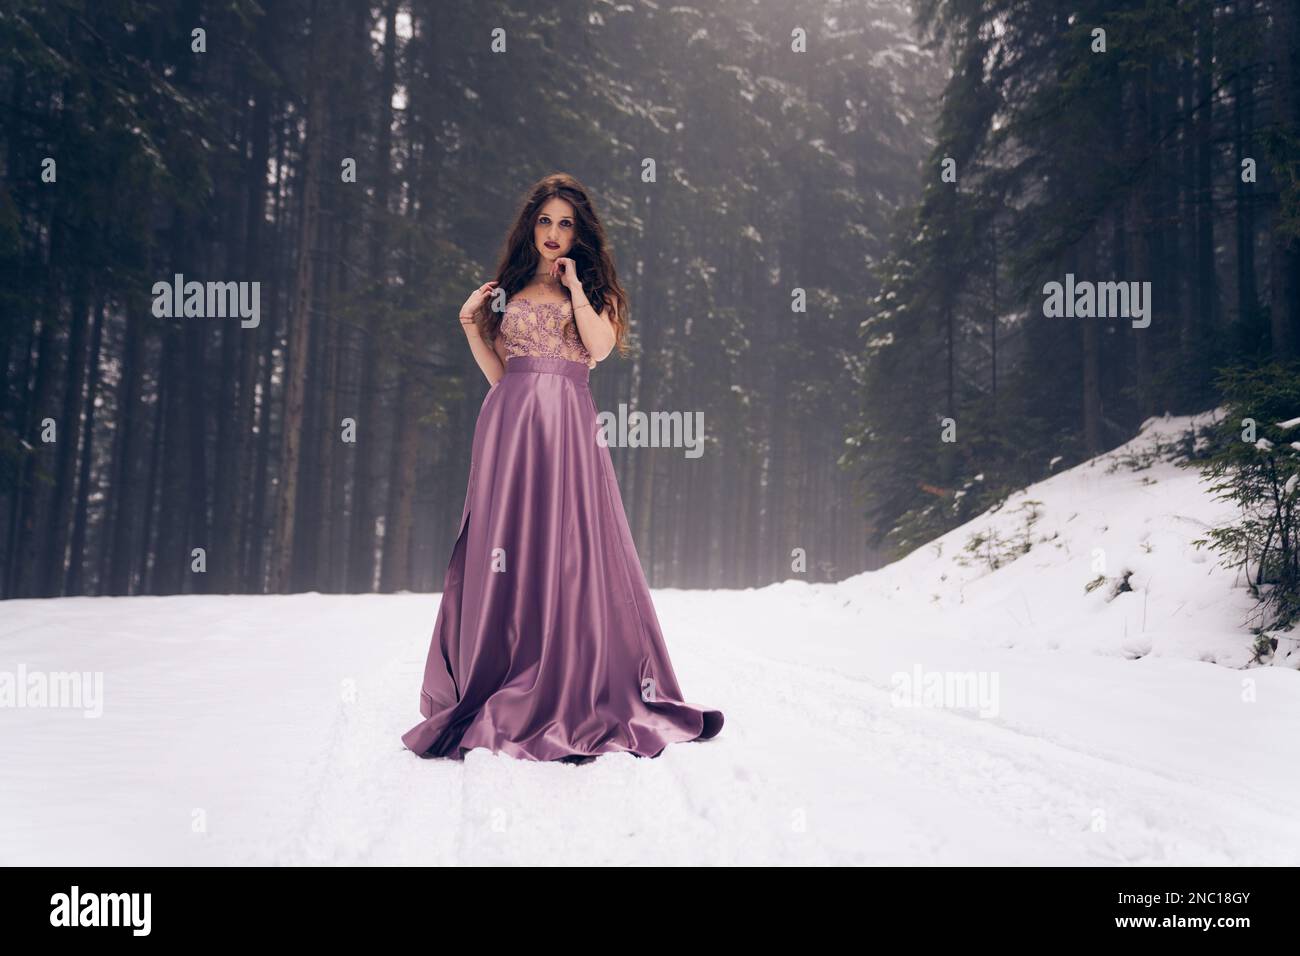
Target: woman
<point x="546" y="644"/>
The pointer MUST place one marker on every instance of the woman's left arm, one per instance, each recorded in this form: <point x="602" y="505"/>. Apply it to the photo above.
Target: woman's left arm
<point x="596" y="329"/>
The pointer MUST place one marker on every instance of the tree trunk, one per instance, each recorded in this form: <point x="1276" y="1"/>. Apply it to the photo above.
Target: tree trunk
<point x="74" y="584"/>
<point x="1284" y="296"/>
<point x="300" y="332"/>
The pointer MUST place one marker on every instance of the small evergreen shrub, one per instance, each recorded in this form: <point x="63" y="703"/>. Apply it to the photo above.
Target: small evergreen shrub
<point x="1255" y="463"/>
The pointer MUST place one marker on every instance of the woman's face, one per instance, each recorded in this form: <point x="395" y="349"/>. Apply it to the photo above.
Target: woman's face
<point x="554" y="230"/>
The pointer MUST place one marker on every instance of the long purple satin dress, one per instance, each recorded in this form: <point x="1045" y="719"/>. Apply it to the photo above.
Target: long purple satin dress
<point x="546" y="644"/>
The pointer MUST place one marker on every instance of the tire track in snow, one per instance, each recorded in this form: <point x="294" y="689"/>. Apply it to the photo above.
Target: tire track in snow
<point x="1038" y="784"/>
<point x="366" y="801"/>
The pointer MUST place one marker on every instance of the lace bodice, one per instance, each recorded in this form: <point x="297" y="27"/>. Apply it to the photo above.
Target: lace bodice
<point x="542" y="328"/>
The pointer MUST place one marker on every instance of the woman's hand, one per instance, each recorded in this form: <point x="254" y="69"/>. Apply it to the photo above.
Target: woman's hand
<point x="470" y="309"/>
<point x="567" y="270"/>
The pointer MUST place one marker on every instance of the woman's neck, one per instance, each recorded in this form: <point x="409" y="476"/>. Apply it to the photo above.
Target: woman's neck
<point x="544" y="280"/>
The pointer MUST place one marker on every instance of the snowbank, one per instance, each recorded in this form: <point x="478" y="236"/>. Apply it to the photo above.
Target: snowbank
<point x="1096" y="559"/>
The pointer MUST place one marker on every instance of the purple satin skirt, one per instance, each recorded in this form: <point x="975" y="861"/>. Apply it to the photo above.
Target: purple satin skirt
<point x="546" y="644"/>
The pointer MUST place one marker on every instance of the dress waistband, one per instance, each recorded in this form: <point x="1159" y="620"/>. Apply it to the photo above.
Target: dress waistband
<point x="578" y="371"/>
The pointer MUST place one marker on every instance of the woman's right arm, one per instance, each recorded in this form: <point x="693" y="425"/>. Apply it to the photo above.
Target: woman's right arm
<point x="487" y="356"/>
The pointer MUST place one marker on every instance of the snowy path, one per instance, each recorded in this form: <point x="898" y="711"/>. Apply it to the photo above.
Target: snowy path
<point x="266" y="730"/>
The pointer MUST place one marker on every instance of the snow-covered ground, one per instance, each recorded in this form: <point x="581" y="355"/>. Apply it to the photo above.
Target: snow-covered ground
<point x="1105" y="727"/>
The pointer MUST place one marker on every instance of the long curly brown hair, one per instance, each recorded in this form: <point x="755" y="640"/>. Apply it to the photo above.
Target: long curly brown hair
<point x="590" y="253"/>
